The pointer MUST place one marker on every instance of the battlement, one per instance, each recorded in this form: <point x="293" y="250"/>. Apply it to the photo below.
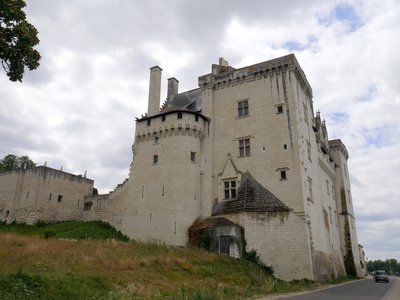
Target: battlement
<point x="223" y="75"/>
<point x="171" y="123"/>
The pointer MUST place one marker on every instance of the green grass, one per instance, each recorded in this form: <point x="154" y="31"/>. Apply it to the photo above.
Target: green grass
<point x="95" y="262"/>
<point x="78" y="230"/>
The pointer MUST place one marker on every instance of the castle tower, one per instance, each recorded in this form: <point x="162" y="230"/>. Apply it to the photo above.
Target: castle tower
<point x="345" y="209"/>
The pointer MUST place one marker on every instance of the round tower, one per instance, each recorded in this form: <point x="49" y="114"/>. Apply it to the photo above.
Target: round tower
<point x="165" y="189"/>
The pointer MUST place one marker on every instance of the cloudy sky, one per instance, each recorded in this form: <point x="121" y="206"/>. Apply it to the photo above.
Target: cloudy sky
<point x="77" y="110"/>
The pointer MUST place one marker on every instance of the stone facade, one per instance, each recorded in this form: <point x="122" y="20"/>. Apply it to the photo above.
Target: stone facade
<point x="42" y="193"/>
<point x="245" y="147"/>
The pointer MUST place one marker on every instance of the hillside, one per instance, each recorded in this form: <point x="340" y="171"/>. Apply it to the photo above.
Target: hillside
<point x="32" y="267"/>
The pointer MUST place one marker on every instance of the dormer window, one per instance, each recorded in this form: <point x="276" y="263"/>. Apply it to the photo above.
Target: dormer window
<point x="230" y="189"/>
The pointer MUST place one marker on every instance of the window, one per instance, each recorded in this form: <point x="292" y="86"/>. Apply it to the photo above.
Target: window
<point x="60" y="198"/>
<point x="230" y="189"/>
<point x="243" y="108"/>
<point x="50" y="196"/>
<point x="279" y="109"/>
<point x="330" y="214"/>
<point x="27" y="195"/>
<point x="309" y="150"/>
<point x="163" y="118"/>
<point x="179" y="115"/>
<point x="148" y="122"/>
<point x="345" y="170"/>
<point x="284" y="146"/>
<point x="155" y="158"/>
<point x="193" y="156"/>
<point x="156" y="139"/>
<point x="196" y="118"/>
<point x="283" y="175"/>
<point x="244" y="147"/>
<point x="305" y="113"/>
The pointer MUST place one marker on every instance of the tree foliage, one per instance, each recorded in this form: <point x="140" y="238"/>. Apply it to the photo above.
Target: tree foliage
<point x="17" y="40"/>
<point x="12" y="162"/>
<point x="389" y="265"/>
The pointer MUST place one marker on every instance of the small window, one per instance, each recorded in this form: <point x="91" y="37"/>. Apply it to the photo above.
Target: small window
<point x="279" y="109"/>
<point x="196" y="118"/>
<point x="244" y="147"/>
<point x="156" y="140"/>
<point x="60" y="198"/>
<point x="283" y="175"/>
<point x="243" y="108"/>
<point x="50" y="196"/>
<point x="148" y="122"/>
<point x="284" y="146"/>
<point x="27" y="195"/>
<point x="305" y="112"/>
<point x="155" y="159"/>
<point x="230" y="189"/>
<point x="309" y="150"/>
<point x="179" y="115"/>
<point x="7" y="213"/>
<point x="193" y="156"/>
<point x="163" y="118"/>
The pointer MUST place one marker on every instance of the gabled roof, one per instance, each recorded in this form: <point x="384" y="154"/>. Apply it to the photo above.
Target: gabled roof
<point x="251" y="197"/>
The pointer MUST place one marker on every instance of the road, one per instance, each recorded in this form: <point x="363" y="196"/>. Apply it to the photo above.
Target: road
<point x="358" y="290"/>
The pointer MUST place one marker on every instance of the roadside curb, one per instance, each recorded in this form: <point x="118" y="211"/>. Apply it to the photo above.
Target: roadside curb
<point x="324" y="287"/>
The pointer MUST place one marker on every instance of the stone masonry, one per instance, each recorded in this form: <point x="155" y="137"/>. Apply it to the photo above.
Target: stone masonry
<point x="244" y="153"/>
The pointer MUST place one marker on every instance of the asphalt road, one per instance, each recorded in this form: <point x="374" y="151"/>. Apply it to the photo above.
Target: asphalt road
<point x="366" y="289"/>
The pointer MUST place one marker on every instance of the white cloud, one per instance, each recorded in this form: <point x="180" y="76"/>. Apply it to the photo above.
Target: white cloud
<point x="77" y="110"/>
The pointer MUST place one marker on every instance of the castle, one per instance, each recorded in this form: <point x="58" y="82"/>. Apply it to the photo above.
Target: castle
<point x="242" y="159"/>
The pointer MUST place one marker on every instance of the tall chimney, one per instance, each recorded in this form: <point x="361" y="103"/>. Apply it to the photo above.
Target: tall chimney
<point x="154" y="91"/>
<point x="172" y="88"/>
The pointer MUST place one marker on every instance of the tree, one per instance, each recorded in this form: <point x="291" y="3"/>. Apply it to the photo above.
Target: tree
<point x="12" y="162"/>
<point x="17" y="40"/>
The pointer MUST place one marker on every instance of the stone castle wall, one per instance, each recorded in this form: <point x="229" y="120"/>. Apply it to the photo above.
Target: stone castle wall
<point x="183" y="157"/>
<point x="42" y="194"/>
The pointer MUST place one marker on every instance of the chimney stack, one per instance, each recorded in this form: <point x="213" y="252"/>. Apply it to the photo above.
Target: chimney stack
<point x="172" y="88"/>
<point x="154" y="91"/>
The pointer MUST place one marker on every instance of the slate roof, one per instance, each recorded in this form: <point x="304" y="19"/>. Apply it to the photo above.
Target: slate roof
<point x="251" y="197"/>
<point x="190" y="100"/>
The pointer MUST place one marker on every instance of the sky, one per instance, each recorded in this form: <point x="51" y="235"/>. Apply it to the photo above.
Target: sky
<point x="77" y="110"/>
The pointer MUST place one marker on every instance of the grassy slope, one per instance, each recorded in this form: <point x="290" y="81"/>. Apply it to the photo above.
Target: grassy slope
<point x="32" y="267"/>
